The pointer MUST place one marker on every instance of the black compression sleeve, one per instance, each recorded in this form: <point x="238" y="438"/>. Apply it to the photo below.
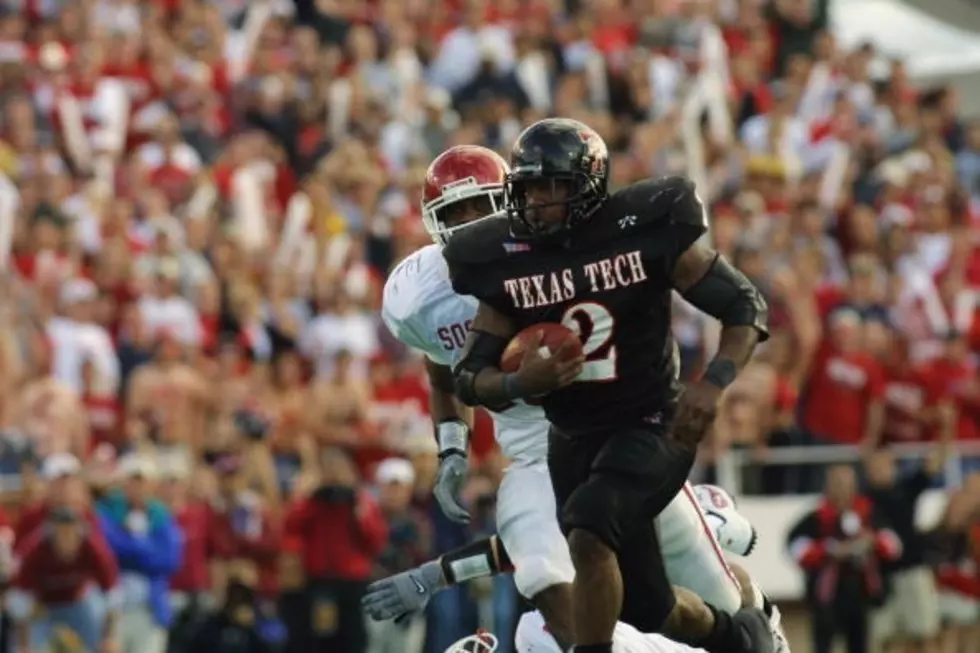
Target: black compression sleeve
<point x="484" y="350"/>
<point x="486" y="557"/>
<point x="728" y="295"/>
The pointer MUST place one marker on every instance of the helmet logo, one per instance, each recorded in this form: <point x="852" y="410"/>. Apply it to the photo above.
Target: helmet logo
<point x="459" y="183"/>
<point x="595" y="154"/>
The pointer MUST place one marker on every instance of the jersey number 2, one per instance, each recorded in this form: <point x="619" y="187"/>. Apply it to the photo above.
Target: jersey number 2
<point x="593" y="323"/>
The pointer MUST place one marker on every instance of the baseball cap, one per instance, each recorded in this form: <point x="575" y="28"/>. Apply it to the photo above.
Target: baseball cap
<point x="59" y="465"/>
<point x="395" y="470"/>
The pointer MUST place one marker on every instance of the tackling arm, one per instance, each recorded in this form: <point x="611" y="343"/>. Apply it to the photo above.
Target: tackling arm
<point x="452" y="419"/>
<point x="477" y="378"/>
<point x="713" y="286"/>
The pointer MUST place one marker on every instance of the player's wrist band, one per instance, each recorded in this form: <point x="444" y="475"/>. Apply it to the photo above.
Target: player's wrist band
<point x="453" y="436"/>
<point x="721" y="372"/>
<point x="512" y="386"/>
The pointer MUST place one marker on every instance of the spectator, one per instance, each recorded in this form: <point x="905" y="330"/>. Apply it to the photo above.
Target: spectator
<point x="840" y="547"/>
<point x="59" y="565"/>
<point x="242" y="528"/>
<point x="909" y="619"/>
<point x="232" y="629"/>
<point x="953" y="547"/>
<point x="149" y="547"/>
<point x="191" y="191"/>
<point x="190" y="587"/>
<point x="844" y="401"/>
<point x="341" y="529"/>
<point x="64" y="489"/>
<point x="408" y="546"/>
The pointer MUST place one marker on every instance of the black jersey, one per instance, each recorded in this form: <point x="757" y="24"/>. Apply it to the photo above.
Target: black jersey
<point x="611" y="283"/>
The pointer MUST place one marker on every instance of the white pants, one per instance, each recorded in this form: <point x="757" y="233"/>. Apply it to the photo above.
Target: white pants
<point x="527" y="523"/>
<point x="139" y="632"/>
<point x="691" y="553"/>
<point x="912" y="609"/>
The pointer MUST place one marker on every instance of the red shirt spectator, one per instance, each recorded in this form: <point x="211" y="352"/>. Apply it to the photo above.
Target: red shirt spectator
<point x="909" y="395"/>
<point x="63" y="490"/>
<point x="240" y="528"/>
<point x="341" y="528"/>
<point x="844" y="388"/>
<point x="193" y="575"/>
<point x="56" y="568"/>
<point x="956" y="377"/>
<point x="232" y="536"/>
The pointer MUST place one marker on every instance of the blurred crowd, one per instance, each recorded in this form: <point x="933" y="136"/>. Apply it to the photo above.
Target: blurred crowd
<point x="876" y="580"/>
<point x="200" y="412"/>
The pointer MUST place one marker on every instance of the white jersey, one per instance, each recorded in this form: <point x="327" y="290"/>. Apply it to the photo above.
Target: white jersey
<point x="533" y="637"/>
<point x="422" y="311"/>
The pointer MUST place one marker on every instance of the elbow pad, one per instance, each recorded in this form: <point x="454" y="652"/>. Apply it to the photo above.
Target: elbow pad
<point x="727" y="295"/>
<point x="483" y="350"/>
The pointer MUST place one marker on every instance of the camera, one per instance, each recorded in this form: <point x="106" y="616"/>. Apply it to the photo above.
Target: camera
<point x="251" y="425"/>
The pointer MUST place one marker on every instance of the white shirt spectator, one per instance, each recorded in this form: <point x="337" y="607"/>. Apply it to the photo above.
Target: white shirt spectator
<point x="183" y="156"/>
<point x="329" y="334"/>
<point x="76" y="342"/>
<point x="173" y="314"/>
<point x="462" y="51"/>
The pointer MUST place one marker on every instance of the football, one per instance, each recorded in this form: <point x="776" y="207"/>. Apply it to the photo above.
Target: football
<point x="553" y="335"/>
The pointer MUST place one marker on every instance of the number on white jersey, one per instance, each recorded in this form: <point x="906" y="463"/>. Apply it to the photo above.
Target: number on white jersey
<point x="595" y="324"/>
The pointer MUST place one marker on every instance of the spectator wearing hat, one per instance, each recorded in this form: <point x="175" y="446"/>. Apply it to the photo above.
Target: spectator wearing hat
<point x="342" y="530"/>
<point x="408" y="545"/>
<point x="59" y="563"/>
<point x="64" y="488"/>
<point x="149" y="547"/>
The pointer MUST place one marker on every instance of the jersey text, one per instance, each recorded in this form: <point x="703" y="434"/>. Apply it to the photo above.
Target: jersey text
<point x="454" y="335"/>
<point x="553" y="288"/>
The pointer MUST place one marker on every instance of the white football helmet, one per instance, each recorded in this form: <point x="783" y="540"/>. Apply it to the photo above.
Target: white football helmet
<point x="482" y="642"/>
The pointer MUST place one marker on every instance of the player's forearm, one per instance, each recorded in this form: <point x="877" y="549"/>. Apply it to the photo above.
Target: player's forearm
<point x="477" y="379"/>
<point x="736" y="344"/>
<point x="495" y="389"/>
<point x="443" y="405"/>
<point x="713" y="286"/>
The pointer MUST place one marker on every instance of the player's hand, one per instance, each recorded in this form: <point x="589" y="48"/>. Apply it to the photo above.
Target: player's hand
<point x="450" y="480"/>
<point x="696" y="412"/>
<point x="404" y="594"/>
<point x="541" y="371"/>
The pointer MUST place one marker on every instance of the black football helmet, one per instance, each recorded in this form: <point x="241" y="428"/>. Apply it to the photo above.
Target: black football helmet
<point x="556" y="152"/>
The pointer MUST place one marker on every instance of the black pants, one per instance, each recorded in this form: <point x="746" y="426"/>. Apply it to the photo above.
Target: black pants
<point x="613" y="485"/>
<point x="334" y="621"/>
<point x="845" y="619"/>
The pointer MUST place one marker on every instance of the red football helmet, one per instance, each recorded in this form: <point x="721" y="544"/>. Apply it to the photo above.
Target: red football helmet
<point x="460" y="173"/>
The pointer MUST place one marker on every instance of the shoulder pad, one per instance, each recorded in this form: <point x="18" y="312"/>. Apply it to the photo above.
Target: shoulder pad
<point x="483" y="242"/>
<point x="668" y="202"/>
<point x="412" y="284"/>
<point x="470" y="250"/>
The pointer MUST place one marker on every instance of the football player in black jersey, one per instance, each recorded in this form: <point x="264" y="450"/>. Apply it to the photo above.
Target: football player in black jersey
<point x="624" y="435"/>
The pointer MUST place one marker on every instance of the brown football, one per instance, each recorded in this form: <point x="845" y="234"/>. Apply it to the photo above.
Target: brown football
<point x="553" y="335"/>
